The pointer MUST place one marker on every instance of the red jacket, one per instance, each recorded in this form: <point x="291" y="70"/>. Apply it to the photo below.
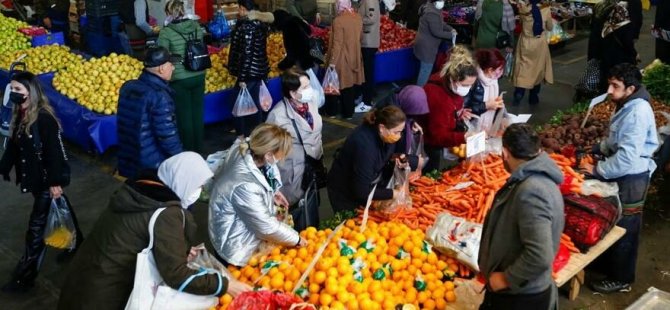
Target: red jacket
<point x="440" y="124"/>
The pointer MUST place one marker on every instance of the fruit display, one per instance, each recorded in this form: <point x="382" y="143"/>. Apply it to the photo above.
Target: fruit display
<point x="217" y="77"/>
<point x="10" y="38"/>
<point x="42" y="59"/>
<point x="386" y="265"/>
<point x="95" y="83"/>
<point x="459" y="151"/>
<point x="394" y="36"/>
<point x="276" y="52"/>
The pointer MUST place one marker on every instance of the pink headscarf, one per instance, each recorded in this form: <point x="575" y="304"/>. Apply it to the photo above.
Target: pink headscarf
<point x="343" y="5"/>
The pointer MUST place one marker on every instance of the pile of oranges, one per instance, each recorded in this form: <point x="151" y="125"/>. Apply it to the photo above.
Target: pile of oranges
<point x="382" y="267"/>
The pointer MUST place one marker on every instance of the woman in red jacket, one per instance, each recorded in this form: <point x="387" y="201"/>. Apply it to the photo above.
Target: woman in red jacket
<point x="445" y="91"/>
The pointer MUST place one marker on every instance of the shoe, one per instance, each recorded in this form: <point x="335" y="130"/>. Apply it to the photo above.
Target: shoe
<point x="608" y="286"/>
<point x="17" y="286"/>
<point x="362" y="108"/>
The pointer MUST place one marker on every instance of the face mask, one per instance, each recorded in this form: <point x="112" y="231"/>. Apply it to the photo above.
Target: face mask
<point x="306" y="95"/>
<point x="460" y="90"/>
<point x="191" y="198"/>
<point x="272" y="174"/>
<point x="439" y="5"/>
<point x="17" y="98"/>
<point x="390" y="137"/>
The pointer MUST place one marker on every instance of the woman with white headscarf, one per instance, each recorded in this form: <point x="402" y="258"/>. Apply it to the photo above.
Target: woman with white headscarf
<point x="102" y="272"/>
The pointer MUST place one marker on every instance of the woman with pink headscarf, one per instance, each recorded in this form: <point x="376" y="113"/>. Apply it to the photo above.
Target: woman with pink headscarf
<point x="344" y="54"/>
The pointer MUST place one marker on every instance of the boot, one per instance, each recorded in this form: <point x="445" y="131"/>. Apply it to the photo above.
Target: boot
<point x="534" y="96"/>
<point x="23" y="276"/>
<point x="518" y="95"/>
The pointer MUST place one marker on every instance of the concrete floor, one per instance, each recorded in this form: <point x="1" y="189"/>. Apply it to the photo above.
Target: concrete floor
<point x="93" y="183"/>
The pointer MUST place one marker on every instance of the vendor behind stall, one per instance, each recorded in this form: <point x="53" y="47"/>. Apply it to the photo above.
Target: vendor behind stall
<point x="53" y="15"/>
<point x="365" y="156"/>
<point x="628" y="152"/>
<point x="135" y="28"/>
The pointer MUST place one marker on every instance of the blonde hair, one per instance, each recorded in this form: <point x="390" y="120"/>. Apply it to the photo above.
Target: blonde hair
<point x="460" y="65"/>
<point x="175" y="8"/>
<point x="268" y="138"/>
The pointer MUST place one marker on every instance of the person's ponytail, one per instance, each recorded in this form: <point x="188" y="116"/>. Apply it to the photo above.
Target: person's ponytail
<point x="389" y="116"/>
<point x="459" y="66"/>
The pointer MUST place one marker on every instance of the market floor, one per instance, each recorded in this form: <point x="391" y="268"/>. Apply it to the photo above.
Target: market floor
<point x="93" y="183"/>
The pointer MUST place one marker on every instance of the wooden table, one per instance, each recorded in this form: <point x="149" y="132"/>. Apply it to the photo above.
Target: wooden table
<point x="574" y="270"/>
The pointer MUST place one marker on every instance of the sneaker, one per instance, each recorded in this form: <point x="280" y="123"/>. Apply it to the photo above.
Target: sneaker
<point x="608" y="286"/>
<point x="362" y="108"/>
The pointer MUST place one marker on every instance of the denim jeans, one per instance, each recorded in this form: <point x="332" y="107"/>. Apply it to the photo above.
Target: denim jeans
<point x="425" y="69"/>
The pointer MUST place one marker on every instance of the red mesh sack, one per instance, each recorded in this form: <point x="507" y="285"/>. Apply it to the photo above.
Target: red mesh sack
<point x="562" y="258"/>
<point x="588" y="219"/>
<point x="267" y="300"/>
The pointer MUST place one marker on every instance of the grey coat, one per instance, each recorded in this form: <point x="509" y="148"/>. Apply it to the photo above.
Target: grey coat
<point x="369" y="12"/>
<point x="432" y="30"/>
<point x="523" y="229"/>
<point x="242" y="211"/>
<point x="292" y="167"/>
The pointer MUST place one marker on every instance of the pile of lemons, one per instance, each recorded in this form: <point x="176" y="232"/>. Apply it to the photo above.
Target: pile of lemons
<point x="42" y="59"/>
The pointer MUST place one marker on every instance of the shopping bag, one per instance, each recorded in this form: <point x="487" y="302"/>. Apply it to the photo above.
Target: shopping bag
<point x="264" y="97"/>
<point x="509" y="64"/>
<point x="456" y="237"/>
<point x="306" y="212"/>
<point x="149" y="290"/>
<point x="244" y="104"/>
<point x="400" y="182"/>
<point x="316" y="85"/>
<point x="331" y="82"/>
<point x="60" y="232"/>
<point x="589" y="81"/>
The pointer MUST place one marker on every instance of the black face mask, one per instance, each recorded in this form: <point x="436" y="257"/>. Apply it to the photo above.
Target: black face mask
<point x="17" y="98"/>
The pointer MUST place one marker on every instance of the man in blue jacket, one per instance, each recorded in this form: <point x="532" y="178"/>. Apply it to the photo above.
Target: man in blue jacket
<point x="146" y="124"/>
<point x="628" y="152"/>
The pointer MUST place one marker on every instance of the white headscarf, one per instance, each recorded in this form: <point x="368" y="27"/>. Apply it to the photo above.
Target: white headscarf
<point x="185" y="173"/>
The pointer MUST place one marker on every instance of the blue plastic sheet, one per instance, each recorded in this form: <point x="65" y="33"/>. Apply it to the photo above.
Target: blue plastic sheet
<point x="398" y="65"/>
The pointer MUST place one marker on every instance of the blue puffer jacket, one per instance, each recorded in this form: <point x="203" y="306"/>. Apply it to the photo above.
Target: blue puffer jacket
<point x="146" y="124"/>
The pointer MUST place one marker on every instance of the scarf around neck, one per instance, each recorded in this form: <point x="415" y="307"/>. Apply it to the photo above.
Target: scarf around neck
<point x="490" y="85"/>
<point x="537" y="17"/>
<point x="618" y="18"/>
<point x="303" y="110"/>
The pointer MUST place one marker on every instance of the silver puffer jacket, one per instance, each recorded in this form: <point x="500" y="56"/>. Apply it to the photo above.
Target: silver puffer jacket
<point x="242" y="212"/>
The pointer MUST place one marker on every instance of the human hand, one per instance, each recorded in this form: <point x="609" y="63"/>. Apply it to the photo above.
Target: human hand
<point x="242" y="85"/>
<point x="280" y="200"/>
<point x="498" y="282"/>
<point x="55" y="191"/>
<point x="466" y="114"/>
<point x="236" y="287"/>
<point x="47" y="22"/>
<point x="318" y="18"/>
<point x="417" y="128"/>
<point x="302" y="243"/>
<point x="495" y="103"/>
<point x="193" y="253"/>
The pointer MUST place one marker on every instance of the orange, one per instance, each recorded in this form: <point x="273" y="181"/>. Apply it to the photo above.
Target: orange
<point x="294" y="274"/>
<point x="325" y="299"/>
<point x="352" y="304"/>
<point x="357" y="288"/>
<point x="292" y="253"/>
<point x="320" y="277"/>
<point x="275" y="251"/>
<point x="441" y="265"/>
<point x="410" y="296"/>
<point x="247" y="272"/>
<point x="343" y="296"/>
<point x="417" y="263"/>
<point x="375" y="286"/>
<point x="449" y="286"/>
<point x="314" y="299"/>
<point x="253" y="261"/>
<point x="226" y="299"/>
<point x="337" y="305"/>
<point x="416" y="252"/>
<point x="314" y="288"/>
<point x="288" y="286"/>
<point x="302" y="253"/>
<point x="408" y="246"/>
<point x="332" y="272"/>
<point x="324" y="263"/>
<point x="451" y="296"/>
<point x="438" y="293"/>
<point x="378" y="296"/>
<point x="432" y="258"/>
<point x="332" y="288"/>
<point x="236" y="274"/>
<point x="350" y="223"/>
<point x="272" y="272"/>
<point x="422" y="297"/>
<point x="277" y="283"/>
<point x="429" y="304"/>
<point x="427" y="268"/>
<point x="388" y="304"/>
<point x="366" y="304"/>
<point x="440" y="303"/>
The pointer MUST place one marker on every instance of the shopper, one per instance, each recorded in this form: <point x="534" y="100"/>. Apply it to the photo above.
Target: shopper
<point x="444" y="125"/>
<point x="432" y="30"/>
<point x="370" y="40"/>
<point x="145" y="122"/>
<point x="628" y="152"/>
<point x="307" y="10"/>
<point x="54" y="16"/>
<point x="298" y="111"/>
<point x="42" y="171"/>
<point x="135" y="28"/>
<point x="484" y="95"/>
<point x="662" y="25"/>
<point x="344" y="55"/>
<point x="532" y="60"/>
<point x="413" y="102"/>
<point x="189" y="86"/>
<point x="102" y="273"/>
<point x="242" y="207"/>
<point x="366" y="155"/>
<point x="634" y="7"/>
<point x="522" y="231"/>
<point x="410" y="12"/>
<point x="248" y="60"/>
<point x="295" y="33"/>
<point x="499" y="21"/>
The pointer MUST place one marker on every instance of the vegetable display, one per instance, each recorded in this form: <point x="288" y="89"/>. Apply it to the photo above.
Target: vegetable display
<point x="393" y="35"/>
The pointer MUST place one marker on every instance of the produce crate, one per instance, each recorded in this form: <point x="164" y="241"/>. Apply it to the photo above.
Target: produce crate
<point x="100" y="8"/>
<point x="48" y="39"/>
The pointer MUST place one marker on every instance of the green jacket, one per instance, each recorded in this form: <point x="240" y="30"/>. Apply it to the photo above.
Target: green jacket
<point x="41" y="7"/>
<point x="101" y="275"/>
<point x="171" y="38"/>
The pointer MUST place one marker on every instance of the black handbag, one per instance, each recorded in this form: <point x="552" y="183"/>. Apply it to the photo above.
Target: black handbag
<point x="503" y="40"/>
<point x="306" y="212"/>
<point x="196" y="56"/>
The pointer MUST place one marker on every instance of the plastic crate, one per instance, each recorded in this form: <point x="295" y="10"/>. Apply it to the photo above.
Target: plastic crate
<point x="48" y="39"/>
<point x="101" y="8"/>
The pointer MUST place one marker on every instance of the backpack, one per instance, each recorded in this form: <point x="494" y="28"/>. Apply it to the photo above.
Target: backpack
<point x="196" y="56"/>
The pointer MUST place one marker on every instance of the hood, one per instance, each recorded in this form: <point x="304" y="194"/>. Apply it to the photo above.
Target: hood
<point x="261" y="16"/>
<point x="429" y="7"/>
<point x="641" y="93"/>
<point x="540" y="165"/>
<point x="184" y="26"/>
<point x="144" y="194"/>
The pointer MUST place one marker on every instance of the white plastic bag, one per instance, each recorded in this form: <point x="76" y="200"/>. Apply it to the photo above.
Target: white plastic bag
<point x="598" y="188"/>
<point x="457" y="238"/>
<point x="316" y="85"/>
<point x="244" y="104"/>
<point x="264" y="97"/>
<point x="331" y="82"/>
<point x="60" y="232"/>
<point x="399" y="181"/>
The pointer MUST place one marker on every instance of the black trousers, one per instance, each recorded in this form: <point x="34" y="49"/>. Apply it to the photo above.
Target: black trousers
<point x="342" y="104"/>
<point x="28" y="267"/>
<point x="499" y="301"/>
<point x="369" y="68"/>
<point x="663" y="50"/>
<point x="246" y="124"/>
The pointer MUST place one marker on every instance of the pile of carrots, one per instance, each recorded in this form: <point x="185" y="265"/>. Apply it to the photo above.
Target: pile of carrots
<point x="567" y="242"/>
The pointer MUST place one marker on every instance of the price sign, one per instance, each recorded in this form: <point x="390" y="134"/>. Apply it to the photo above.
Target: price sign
<point x="475" y="144"/>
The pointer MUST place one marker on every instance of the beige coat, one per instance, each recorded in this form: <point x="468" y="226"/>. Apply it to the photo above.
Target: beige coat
<point x="532" y="60"/>
<point x="345" y="49"/>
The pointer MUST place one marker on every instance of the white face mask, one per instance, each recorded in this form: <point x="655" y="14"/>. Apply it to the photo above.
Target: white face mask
<point x="187" y="201"/>
<point x="460" y="90"/>
<point x="306" y="95"/>
<point x="439" y="5"/>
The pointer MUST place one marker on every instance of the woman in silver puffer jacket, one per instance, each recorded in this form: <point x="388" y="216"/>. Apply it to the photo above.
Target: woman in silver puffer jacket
<point x="242" y="208"/>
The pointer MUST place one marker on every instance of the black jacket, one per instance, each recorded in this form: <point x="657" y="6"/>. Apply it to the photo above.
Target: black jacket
<point x="248" y="58"/>
<point x="662" y="19"/>
<point x="475" y="99"/>
<point x="296" y="40"/>
<point x="360" y="162"/>
<point x="635" y="13"/>
<point x="23" y="155"/>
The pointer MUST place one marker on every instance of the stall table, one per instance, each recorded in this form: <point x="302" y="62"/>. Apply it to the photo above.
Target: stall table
<point x="574" y="270"/>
